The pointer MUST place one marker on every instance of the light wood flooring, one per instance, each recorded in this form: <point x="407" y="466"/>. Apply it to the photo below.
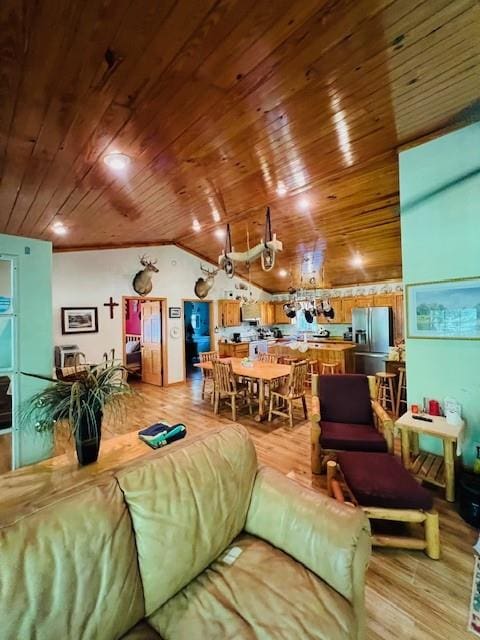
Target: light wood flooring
<point x="409" y="597"/>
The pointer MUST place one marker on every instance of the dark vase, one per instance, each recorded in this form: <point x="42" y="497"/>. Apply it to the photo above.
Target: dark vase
<point x="87" y="438"/>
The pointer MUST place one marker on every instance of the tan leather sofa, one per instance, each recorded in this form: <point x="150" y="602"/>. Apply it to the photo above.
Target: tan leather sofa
<point x="194" y="543"/>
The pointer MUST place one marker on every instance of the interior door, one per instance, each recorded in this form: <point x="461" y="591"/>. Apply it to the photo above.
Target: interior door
<point x="152" y="342"/>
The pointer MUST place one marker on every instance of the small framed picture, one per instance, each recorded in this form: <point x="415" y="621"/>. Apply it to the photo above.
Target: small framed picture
<point x="79" y="320"/>
<point x="174" y="312"/>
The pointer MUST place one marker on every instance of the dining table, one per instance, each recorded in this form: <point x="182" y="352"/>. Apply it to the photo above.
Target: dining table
<point x="261" y="372"/>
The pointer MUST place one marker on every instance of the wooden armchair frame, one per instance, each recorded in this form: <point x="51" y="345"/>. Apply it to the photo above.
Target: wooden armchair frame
<point x="319" y="456"/>
<point x="429" y="542"/>
<point x="227" y="388"/>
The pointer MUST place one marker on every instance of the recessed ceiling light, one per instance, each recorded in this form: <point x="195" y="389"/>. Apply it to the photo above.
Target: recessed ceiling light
<point x="281" y="189"/>
<point x="59" y="228"/>
<point x="357" y="261"/>
<point x="283" y="273"/>
<point x="304" y="204"/>
<point x="117" y="161"/>
<point x="215" y="215"/>
<point x="220" y="233"/>
<point x="196" y="226"/>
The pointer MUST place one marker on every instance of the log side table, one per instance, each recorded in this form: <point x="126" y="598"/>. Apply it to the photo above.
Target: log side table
<point x="437" y="470"/>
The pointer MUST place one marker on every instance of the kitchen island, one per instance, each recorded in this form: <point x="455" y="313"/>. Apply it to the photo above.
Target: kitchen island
<point x="333" y="352"/>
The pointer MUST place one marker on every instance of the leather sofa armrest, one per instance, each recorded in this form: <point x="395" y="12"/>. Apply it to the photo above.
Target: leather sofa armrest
<point x="383" y="423"/>
<point x="329" y="538"/>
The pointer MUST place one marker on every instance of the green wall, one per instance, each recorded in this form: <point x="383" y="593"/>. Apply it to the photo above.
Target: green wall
<point x="441" y="241"/>
<point x="34" y="341"/>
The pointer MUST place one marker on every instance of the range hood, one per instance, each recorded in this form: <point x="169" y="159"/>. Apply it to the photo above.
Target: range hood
<point x="250" y="311"/>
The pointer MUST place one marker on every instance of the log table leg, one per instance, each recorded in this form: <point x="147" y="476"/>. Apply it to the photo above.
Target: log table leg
<point x="404" y="434"/>
<point x="449" y="470"/>
<point x="261" y="401"/>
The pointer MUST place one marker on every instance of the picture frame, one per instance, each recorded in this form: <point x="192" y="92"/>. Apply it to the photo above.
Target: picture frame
<point x="174" y="312"/>
<point x="444" y="309"/>
<point x="79" y="320"/>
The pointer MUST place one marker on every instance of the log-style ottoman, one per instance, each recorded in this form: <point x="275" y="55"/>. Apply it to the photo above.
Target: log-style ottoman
<point x="380" y="485"/>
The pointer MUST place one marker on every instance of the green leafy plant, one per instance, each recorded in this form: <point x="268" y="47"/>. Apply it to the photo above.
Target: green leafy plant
<point x="82" y="401"/>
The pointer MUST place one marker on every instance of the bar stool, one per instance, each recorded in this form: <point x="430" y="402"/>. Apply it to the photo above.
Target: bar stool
<point x="385" y="390"/>
<point x="401" y="390"/>
<point x="330" y="368"/>
<point x="288" y="360"/>
<point x="313" y="368"/>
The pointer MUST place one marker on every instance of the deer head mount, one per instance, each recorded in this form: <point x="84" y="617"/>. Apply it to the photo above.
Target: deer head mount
<point x="203" y="285"/>
<point x="142" y="282"/>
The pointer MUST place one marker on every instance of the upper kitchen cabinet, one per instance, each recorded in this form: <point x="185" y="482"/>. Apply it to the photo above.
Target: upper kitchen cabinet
<point x="228" y="313"/>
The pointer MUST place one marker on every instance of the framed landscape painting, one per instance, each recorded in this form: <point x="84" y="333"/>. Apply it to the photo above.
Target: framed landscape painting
<point x="446" y="309"/>
<point x="79" y="320"/>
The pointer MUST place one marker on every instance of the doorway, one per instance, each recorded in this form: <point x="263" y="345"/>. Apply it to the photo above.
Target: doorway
<point x="197" y="334"/>
<point x="144" y="339"/>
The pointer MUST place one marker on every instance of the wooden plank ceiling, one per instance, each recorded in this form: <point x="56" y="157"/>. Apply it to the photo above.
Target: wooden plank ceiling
<point x="225" y="107"/>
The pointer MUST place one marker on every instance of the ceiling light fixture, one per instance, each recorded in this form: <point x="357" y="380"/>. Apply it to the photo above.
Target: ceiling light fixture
<point x="196" y="226"/>
<point x="283" y="273"/>
<point x="220" y="233"/>
<point x="304" y="204"/>
<point x="59" y="228"/>
<point x="281" y="189"/>
<point x="215" y="215"/>
<point x="117" y="161"/>
<point x="357" y="261"/>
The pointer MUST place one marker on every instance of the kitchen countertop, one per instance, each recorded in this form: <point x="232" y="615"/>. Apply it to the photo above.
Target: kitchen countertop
<point x="321" y="346"/>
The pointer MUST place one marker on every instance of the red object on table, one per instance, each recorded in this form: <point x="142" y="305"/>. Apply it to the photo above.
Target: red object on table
<point x="434" y="408"/>
<point x="415" y="408"/>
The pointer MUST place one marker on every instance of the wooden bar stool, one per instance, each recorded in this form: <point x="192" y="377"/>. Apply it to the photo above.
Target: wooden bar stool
<point x="385" y="390"/>
<point x="288" y="360"/>
<point x="313" y="369"/>
<point x="330" y="368"/>
<point x="401" y="391"/>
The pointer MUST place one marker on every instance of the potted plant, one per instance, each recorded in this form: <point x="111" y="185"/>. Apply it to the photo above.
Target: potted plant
<point x="81" y="402"/>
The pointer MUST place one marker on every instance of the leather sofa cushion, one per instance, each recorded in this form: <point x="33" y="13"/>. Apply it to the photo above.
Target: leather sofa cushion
<point x="69" y="569"/>
<point x="345" y="398"/>
<point x="187" y="504"/>
<point x="264" y="594"/>
<point x="380" y="480"/>
<point x="351" y="437"/>
<point x="142" y="631"/>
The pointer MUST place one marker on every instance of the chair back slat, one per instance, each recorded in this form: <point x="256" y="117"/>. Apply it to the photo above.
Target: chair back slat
<point x="223" y="376"/>
<point x="208" y="356"/>
<point x="267" y="357"/>
<point x="298" y="376"/>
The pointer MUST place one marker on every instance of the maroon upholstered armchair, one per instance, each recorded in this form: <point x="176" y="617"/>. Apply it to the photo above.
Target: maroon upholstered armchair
<point x="345" y="418"/>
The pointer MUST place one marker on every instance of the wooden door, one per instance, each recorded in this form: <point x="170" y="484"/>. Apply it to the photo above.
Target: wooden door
<point x="152" y="342"/>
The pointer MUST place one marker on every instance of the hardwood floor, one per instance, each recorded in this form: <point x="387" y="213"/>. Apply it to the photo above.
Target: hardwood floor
<point x="409" y="597"/>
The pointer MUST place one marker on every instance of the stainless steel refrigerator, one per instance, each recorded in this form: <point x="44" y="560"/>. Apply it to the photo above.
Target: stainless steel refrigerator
<point x="372" y="329"/>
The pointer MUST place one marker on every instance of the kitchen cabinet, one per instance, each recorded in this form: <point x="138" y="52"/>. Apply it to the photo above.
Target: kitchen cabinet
<point x="398" y="317"/>
<point x="383" y="300"/>
<point x="267" y="313"/>
<point x="279" y="316"/>
<point x="347" y="305"/>
<point x="233" y="349"/>
<point x="336" y="304"/>
<point x="365" y="301"/>
<point x="228" y="313"/>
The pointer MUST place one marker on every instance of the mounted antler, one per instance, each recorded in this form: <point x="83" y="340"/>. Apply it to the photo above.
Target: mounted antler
<point x="142" y="283"/>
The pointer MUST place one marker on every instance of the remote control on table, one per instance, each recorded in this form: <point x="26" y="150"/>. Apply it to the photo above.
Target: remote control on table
<point x="423" y="418"/>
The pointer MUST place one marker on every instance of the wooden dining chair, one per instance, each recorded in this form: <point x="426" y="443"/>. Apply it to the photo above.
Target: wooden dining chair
<point x="227" y="388"/>
<point x="267" y="357"/>
<point x="293" y="389"/>
<point x="207" y="374"/>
